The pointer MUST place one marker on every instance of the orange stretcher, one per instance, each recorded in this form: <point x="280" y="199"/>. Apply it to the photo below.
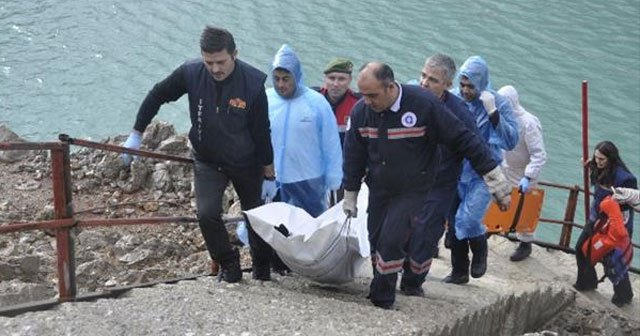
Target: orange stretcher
<point x="522" y="216"/>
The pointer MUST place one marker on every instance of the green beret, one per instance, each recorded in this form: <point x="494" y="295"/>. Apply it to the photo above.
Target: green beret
<point x="339" y="65"/>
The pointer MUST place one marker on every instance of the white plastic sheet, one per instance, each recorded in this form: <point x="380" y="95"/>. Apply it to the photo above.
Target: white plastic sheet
<point x="327" y="249"/>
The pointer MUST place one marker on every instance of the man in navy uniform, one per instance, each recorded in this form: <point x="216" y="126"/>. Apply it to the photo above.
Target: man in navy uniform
<point x="391" y="141"/>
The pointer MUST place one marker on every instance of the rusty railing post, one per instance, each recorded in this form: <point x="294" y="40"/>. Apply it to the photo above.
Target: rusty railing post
<point x="569" y="216"/>
<point x="65" y="245"/>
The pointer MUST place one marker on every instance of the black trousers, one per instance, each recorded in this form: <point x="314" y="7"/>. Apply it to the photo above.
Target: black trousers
<point x="210" y="183"/>
<point x="587" y="278"/>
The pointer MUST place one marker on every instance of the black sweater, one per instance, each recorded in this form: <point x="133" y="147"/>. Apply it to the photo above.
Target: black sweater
<point x="229" y="119"/>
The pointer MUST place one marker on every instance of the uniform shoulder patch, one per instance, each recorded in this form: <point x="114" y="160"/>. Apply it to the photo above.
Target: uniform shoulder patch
<point x="409" y="119"/>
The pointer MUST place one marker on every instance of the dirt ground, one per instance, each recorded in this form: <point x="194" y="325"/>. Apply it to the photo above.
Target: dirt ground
<point x="26" y="195"/>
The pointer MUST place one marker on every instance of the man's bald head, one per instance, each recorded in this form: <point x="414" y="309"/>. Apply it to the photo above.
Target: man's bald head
<point x="379" y="71"/>
<point x="377" y="85"/>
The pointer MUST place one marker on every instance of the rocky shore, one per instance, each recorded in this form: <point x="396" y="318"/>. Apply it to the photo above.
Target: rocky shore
<point x="118" y="256"/>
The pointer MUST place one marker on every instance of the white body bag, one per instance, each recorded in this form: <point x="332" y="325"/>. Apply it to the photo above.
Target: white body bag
<point x="327" y="249"/>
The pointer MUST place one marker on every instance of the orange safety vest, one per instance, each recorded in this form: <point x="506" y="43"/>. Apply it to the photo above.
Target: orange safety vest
<point x="343" y="109"/>
<point x="608" y="234"/>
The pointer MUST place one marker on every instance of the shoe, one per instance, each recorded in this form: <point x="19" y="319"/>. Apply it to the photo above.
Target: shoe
<point x="230" y="268"/>
<point x="480" y="251"/>
<point x="385" y="305"/>
<point x="281" y="270"/>
<point x="619" y="301"/>
<point x="583" y="288"/>
<point x="522" y="252"/>
<point x="278" y="266"/>
<point x="457" y="279"/>
<point x="412" y="291"/>
<point x="478" y="266"/>
<point x="261" y="272"/>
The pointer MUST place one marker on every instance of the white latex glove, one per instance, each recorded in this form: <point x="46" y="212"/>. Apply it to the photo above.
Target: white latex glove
<point x="498" y="187"/>
<point x="627" y="196"/>
<point x="489" y="102"/>
<point x="133" y="141"/>
<point x="269" y="190"/>
<point x="350" y="203"/>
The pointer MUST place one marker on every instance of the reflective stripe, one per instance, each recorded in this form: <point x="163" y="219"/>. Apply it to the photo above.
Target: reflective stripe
<point x="394" y="133"/>
<point x="420" y="268"/>
<point x="406" y="132"/>
<point x="388" y="267"/>
<point x="368" y="132"/>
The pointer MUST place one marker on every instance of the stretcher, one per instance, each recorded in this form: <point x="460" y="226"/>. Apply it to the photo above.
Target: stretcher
<point x="522" y="216"/>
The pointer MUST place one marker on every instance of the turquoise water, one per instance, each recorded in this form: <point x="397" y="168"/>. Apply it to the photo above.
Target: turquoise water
<point x="83" y="67"/>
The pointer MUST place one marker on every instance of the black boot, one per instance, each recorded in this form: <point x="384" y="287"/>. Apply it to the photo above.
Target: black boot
<point x="587" y="279"/>
<point x="278" y="266"/>
<point x="230" y="267"/>
<point x="480" y="250"/>
<point x="622" y="292"/>
<point x="522" y="252"/>
<point x="261" y="254"/>
<point x="459" y="261"/>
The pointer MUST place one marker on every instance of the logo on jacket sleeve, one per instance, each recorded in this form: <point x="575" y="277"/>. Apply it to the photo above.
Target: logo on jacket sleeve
<point x="409" y="119"/>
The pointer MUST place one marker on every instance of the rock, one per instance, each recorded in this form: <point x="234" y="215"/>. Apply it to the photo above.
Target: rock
<point x="151" y="206"/>
<point x="157" y="132"/>
<point x="28" y="185"/>
<point x="30" y="265"/>
<point x="175" y="145"/>
<point x="7" y="135"/>
<point x="46" y="213"/>
<point x="136" y="256"/>
<point x="161" y="178"/>
<point x="139" y="174"/>
<point x="16" y="292"/>
<point x="91" y="239"/>
<point x="7" y="271"/>
<point x="126" y="244"/>
<point x="110" y="166"/>
<point x="90" y="274"/>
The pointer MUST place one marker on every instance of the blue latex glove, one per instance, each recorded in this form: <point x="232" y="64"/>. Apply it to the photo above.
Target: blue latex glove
<point x="269" y="190"/>
<point x="242" y="233"/>
<point x="524" y="185"/>
<point x="133" y="141"/>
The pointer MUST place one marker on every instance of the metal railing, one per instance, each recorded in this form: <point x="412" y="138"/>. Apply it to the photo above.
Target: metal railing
<point x="64" y="220"/>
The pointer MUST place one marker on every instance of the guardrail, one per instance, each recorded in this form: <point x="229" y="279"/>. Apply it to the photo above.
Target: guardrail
<point x="64" y="221"/>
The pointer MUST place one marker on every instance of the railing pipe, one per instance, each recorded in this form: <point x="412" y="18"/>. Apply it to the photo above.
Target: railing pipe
<point x="63" y="209"/>
<point x="585" y="147"/>
<point x="120" y="149"/>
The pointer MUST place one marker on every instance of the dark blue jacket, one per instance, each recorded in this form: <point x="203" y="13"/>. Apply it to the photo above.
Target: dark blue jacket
<point x="398" y="150"/>
<point x="229" y="119"/>
<point x="450" y="162"/>
<point x="621" y="179"/>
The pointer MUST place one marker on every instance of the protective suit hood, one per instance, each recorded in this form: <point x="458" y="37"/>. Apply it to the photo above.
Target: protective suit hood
<point x="511" y="94"/>
<point x="287" y="59"/>
<point x="476" y="70"/>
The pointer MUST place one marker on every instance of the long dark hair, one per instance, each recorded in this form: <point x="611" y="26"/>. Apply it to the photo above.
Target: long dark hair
<point x="606" y="175"/>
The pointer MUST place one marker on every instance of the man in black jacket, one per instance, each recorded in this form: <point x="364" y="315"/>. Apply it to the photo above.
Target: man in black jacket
<point x="391" y="141"/>
<point x="229" y="135"/>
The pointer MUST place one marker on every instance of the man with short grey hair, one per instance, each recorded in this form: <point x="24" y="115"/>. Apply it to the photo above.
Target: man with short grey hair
<point x="437" y="77"/>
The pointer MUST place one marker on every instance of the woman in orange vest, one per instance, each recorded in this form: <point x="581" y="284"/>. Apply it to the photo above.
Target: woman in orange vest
<point x="609" y="242"/>
<point x="607" y="170"/>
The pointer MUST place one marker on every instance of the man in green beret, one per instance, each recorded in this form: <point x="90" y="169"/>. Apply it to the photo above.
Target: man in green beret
<point x="337" y="79"/>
